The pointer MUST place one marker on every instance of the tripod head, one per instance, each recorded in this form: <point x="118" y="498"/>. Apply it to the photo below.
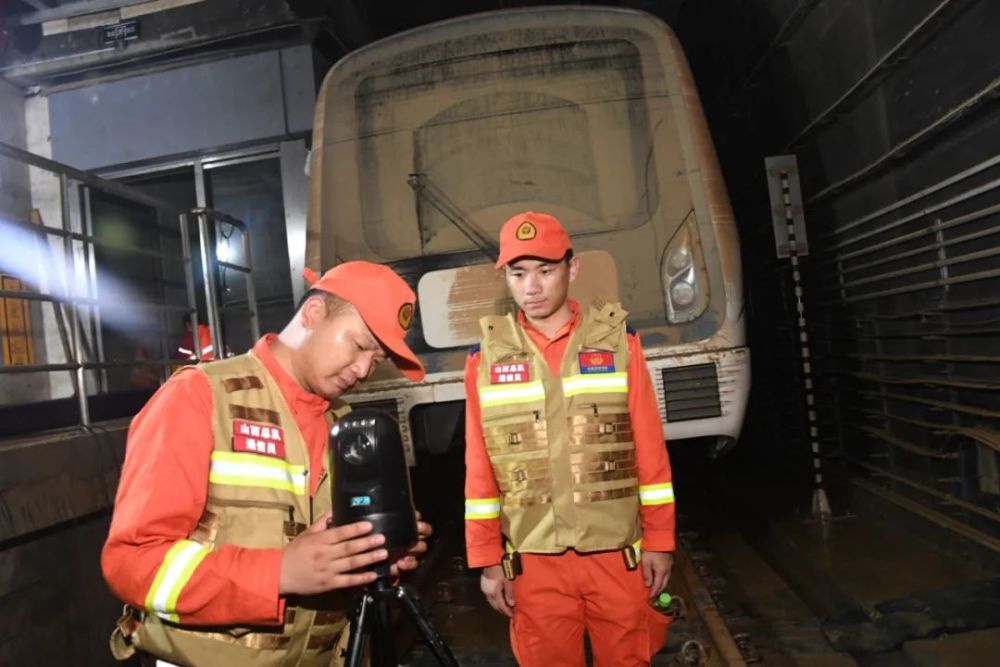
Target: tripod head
<point x="371" y="481"/>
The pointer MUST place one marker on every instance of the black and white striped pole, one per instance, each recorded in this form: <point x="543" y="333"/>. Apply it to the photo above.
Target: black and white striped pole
<point x="791" y="242"/>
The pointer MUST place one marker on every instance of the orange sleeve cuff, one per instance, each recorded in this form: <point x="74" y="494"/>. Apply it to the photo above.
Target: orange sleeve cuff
<point x="658" y="540"/>
<point x="270" y="584"/>
<point x="484" y="556"/>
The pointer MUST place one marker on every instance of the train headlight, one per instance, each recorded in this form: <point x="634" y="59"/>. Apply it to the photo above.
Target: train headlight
<point x="682" y="294"/>
<point x="685" y="281"/>
<point x="680" y="259"/>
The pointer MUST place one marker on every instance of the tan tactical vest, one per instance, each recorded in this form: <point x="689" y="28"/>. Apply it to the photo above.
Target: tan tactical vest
<point x="254" y="501"/>
<point x="561" y="446"/>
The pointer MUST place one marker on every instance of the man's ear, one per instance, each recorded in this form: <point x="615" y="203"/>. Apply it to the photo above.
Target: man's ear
<point x="312" y="312"/>
<point x="574" y="268"/>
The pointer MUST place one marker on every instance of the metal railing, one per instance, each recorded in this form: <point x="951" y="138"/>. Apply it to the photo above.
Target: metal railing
<point x="75" y="303"/>
<point x="208" y="233"/>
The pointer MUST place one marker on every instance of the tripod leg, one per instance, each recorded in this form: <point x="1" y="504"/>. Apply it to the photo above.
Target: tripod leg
<point x="433" y="639"/>
<point x="356" y="642"/>
<point x="382" y="646"/>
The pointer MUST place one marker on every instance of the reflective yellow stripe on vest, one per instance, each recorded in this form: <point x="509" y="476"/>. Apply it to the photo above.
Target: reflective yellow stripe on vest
<point x="482" y="508"/>
<point x="506" y="394"/>
<point x="238" y="469"/>
<point x="174" y="573"/>
<point x="656" y="494"/>
<point x="597" y="383"/>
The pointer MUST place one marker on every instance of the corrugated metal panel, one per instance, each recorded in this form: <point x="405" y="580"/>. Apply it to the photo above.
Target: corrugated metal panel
<point x="901" y="178"/>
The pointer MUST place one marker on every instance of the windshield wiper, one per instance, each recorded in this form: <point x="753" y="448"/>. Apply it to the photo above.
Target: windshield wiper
<point x="439" y="200"/>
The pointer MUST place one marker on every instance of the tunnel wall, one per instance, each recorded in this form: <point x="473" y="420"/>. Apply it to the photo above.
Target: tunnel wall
<point x="890" y="108"/>
<point x="56" y="494"/>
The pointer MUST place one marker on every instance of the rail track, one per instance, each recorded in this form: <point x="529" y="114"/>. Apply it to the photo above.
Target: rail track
<point x="700" y="635"/>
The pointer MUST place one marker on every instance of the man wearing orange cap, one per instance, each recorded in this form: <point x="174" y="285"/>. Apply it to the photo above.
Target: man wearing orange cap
<point x="569" y="501"/>
<point x="219" y="543"/>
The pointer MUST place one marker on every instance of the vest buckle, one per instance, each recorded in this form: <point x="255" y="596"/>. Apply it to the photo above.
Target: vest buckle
<point x="128" y="622"/>
<point x="120" y="642"/>
<point x="511" y="564"/>
<point x="293" y="529"/>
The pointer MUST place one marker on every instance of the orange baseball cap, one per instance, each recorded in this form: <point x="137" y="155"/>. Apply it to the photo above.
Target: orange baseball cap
<point x="385" y="302"/>
<point x="532" y="234"/>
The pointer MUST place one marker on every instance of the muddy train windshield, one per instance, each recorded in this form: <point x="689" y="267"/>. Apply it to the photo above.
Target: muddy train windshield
<point x="563" y="128"/>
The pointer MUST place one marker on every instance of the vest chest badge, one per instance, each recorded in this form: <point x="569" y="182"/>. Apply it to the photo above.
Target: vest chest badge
<point x="597" y="361"/>
<point x="509" y="373"/>
<point x="255" y="438"/>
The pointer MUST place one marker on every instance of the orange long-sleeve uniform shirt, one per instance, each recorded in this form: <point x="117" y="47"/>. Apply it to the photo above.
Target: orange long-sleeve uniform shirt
<point x="484" y="542"/>
<point x="162" y="494"/>
<point x="186" y="349"/>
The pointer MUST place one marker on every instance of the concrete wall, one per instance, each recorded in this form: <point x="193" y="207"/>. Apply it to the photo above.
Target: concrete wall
<point x="56" y="494"/>
<point x="251" y="98"/>
<point x="16" y="204"/>
<point x="14" y="192"/>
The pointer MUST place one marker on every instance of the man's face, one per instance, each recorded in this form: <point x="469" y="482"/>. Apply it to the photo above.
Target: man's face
<point x="540" y="287"/>
<point x="339" y="350"/>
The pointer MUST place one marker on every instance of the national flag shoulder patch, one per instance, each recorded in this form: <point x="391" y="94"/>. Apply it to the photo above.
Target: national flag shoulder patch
<point x="597" y="361"/>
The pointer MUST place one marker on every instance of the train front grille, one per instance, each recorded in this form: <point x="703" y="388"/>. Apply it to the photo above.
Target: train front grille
<point x="691" y="392"/>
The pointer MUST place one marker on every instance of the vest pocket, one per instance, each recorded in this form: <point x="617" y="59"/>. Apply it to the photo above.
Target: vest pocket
<point x="516" y="438"/>
<point x="585" y="406"/>
<point x="527" y="475"/>
<point x="252" y="527"/>
<point x="514" y="431"/>
<point x="512" y="416"/>
<point x="600" y="429"/>
<point x="614" y="467"/>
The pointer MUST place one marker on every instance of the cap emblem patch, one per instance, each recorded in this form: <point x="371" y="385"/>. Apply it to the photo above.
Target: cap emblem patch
<point x="526" y="231"/>
<point x="405" y="315"/>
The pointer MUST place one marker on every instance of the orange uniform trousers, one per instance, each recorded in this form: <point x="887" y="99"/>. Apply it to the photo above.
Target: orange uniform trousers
<point x="558" y="598"/>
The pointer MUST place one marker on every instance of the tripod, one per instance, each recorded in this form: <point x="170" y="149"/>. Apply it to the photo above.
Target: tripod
<point x="370" y="619"/>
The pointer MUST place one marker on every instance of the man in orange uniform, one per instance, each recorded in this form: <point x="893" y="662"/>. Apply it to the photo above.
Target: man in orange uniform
<point x="219" y="543"/>
<point x="569" y="502"/>
<point x="186" y="349"/>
